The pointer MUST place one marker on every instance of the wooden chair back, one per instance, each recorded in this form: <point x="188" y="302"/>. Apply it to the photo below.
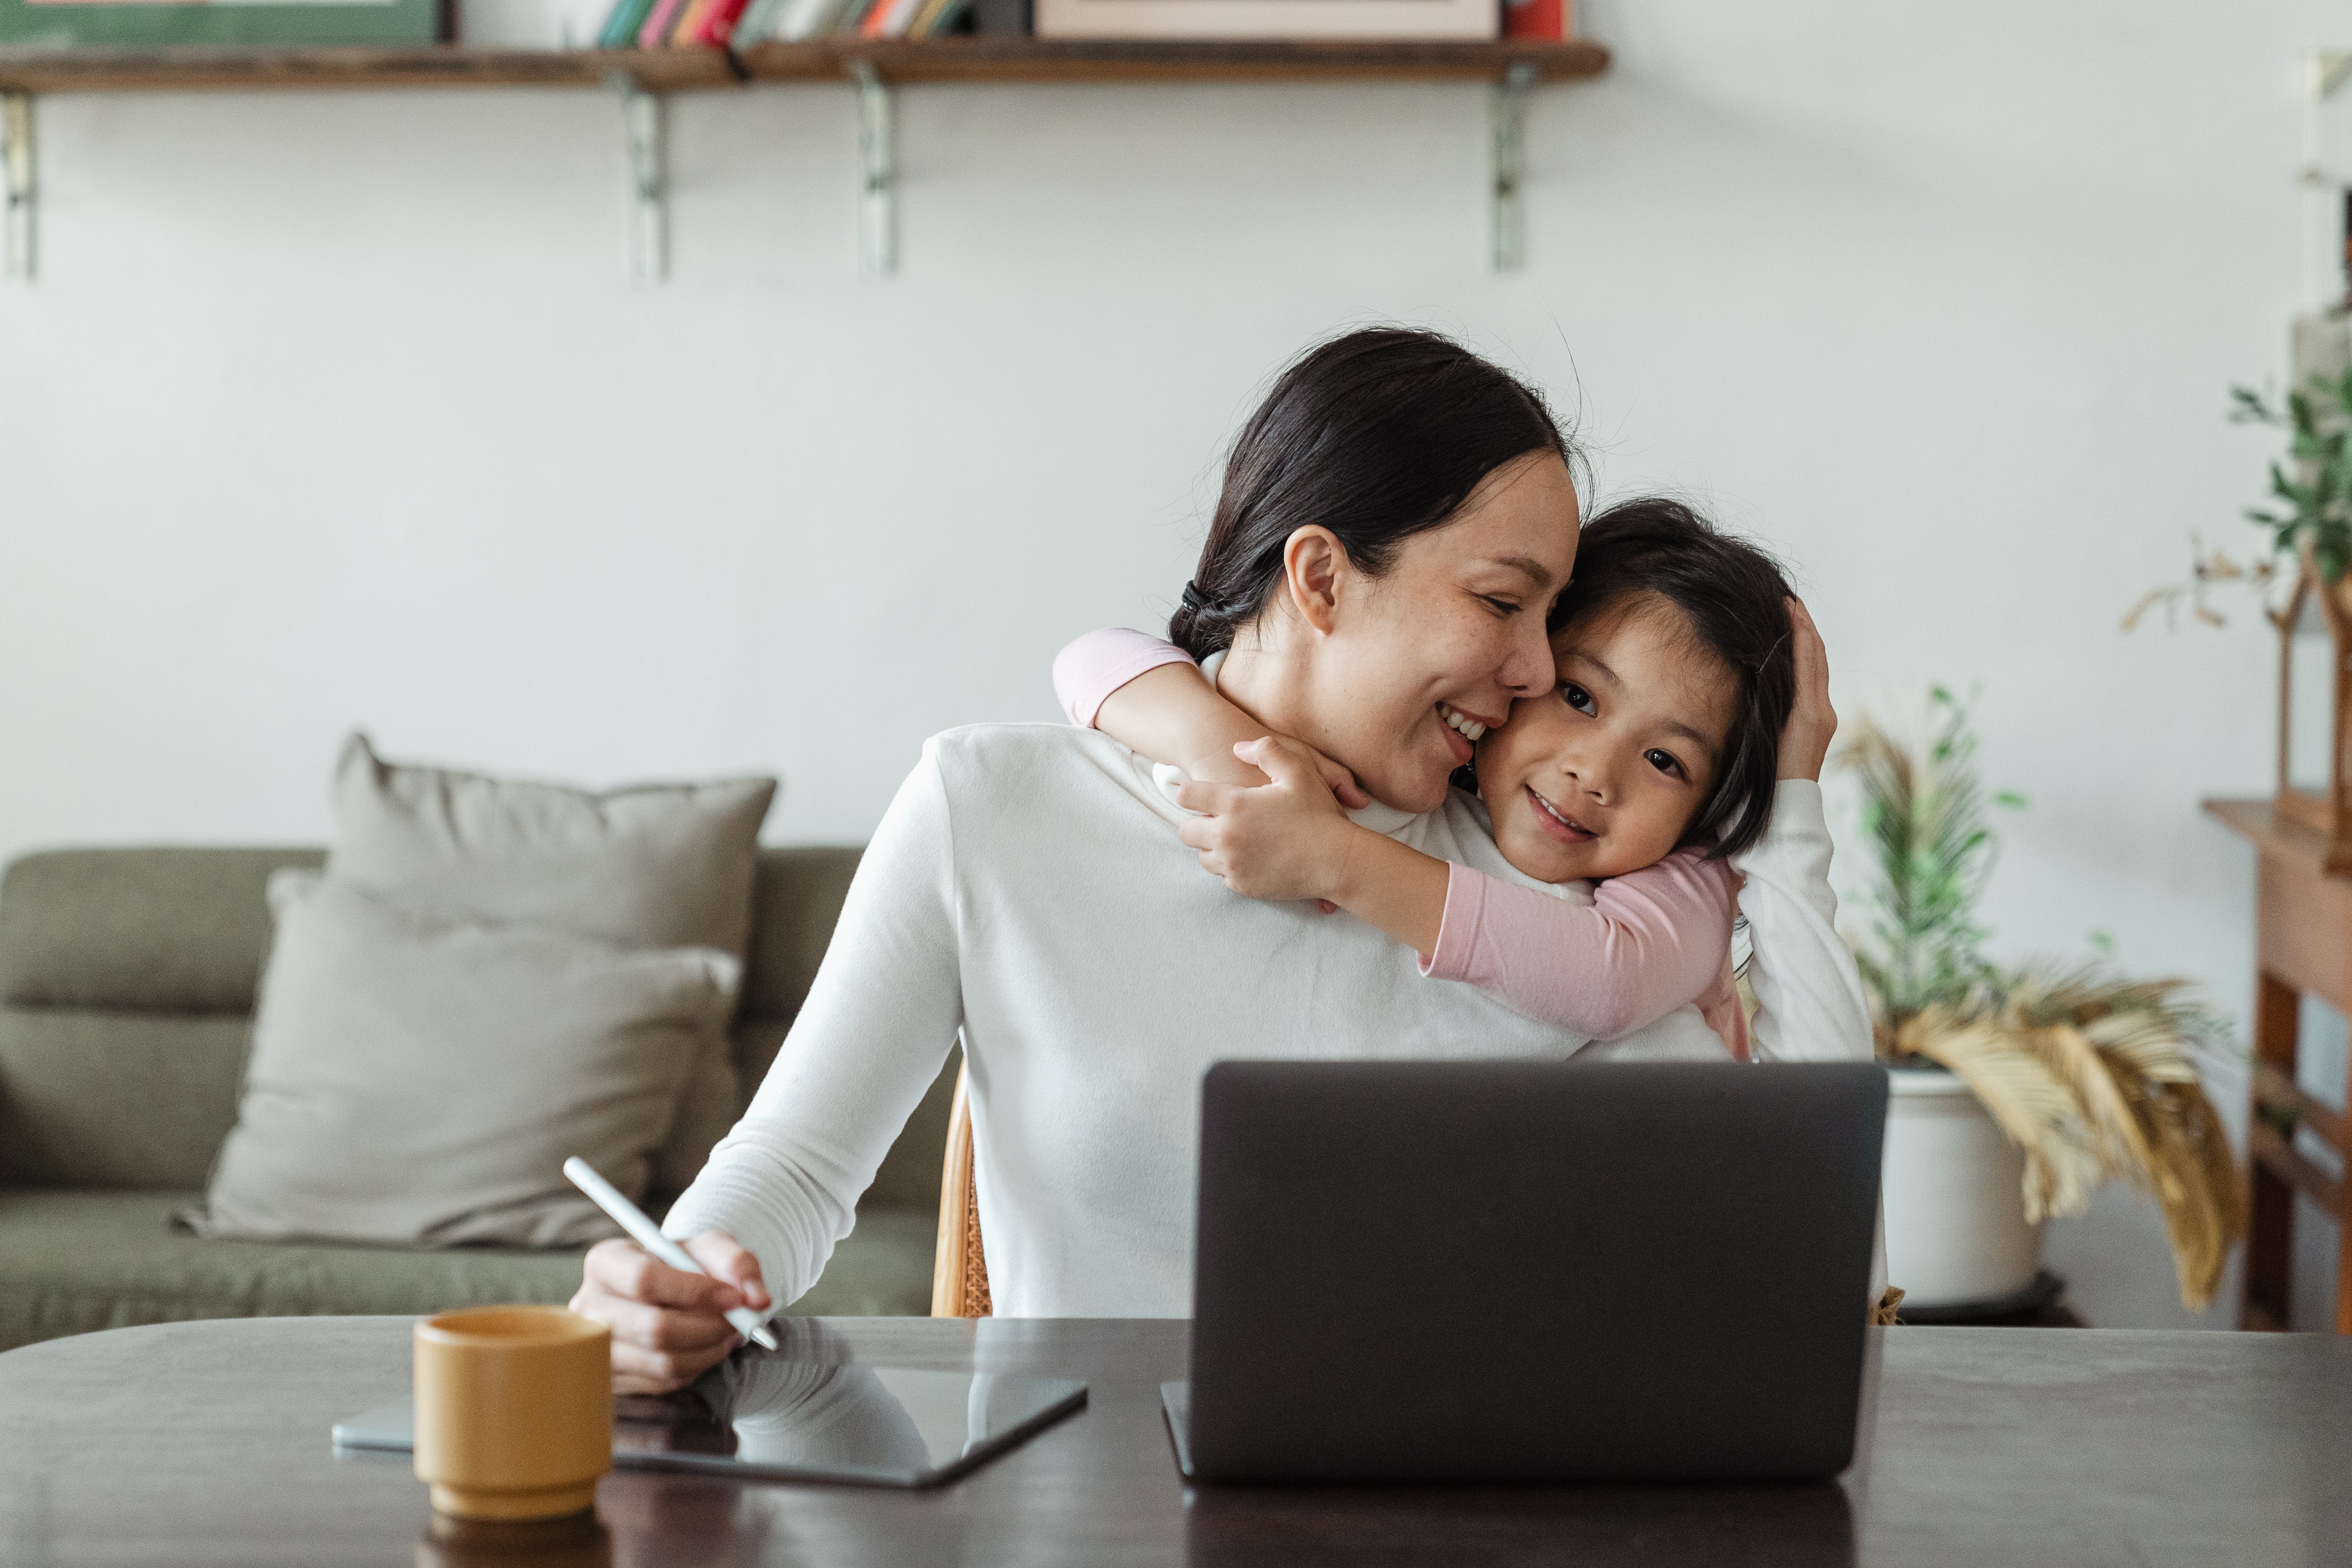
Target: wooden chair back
<point x="959" y="1265"/>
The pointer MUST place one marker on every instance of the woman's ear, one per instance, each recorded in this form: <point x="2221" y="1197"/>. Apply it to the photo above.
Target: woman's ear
<point x="1313" y="563"/>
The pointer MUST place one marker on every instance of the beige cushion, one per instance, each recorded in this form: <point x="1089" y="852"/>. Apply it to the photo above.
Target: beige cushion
<point x="419" y="1081"/>
<point x="651" y="866"/>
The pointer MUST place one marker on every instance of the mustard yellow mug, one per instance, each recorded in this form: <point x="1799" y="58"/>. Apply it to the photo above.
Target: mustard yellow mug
<point x="514" y="1411"/>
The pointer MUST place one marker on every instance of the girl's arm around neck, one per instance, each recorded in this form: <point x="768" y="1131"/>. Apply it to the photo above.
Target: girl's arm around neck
<point x="1093" y="667"/>
<point x="1148" y="694"/>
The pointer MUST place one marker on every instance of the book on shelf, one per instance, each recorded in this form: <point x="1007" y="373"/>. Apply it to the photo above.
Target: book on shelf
<point x="624" y="23"/>
<point x="659" y="23"/>
<point x="713" y="26"/>
<point x="1547" y="21"/>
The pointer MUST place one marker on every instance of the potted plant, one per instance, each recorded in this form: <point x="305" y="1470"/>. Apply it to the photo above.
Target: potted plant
<point x="2016" y="1093"/>
<point x="2307" y="596"/>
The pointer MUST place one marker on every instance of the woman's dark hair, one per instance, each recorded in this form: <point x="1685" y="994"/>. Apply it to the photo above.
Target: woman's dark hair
<point x="1376" y="435"/>
<point x="1733" y="600"/>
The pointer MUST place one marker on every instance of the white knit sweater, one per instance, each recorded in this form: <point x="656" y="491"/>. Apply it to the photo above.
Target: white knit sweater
<point x="1026" y="888"/>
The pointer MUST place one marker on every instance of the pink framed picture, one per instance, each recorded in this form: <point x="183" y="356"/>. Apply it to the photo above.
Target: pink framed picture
<point x="1268" y="19"/>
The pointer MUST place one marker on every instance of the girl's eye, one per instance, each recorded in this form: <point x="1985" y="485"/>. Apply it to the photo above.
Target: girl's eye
<point x="1503" y="608"/>
<point x="1576" y="697"/>
<point x="1663" y="760"/>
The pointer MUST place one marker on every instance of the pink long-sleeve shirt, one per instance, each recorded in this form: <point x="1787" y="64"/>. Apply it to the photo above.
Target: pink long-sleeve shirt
<point x="1650" y="941"/>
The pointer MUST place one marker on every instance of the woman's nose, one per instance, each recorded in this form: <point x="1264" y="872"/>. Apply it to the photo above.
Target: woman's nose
<point x="1527" y="667"/>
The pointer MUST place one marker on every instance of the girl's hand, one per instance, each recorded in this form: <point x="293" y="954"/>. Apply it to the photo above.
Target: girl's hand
<point x="1812" y="723"/>
<point x="1237" y="766"/>
<point x="1281" y="841"/>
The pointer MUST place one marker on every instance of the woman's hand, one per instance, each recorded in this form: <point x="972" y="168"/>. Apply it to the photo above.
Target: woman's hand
<point x="668" y="1327"/>
<point x="1284" y="840"/>
<point x="1812" y="723"/>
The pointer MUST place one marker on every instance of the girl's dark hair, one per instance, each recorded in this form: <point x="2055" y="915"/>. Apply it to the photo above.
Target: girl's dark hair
<point x="1376" y="435"/>
<point x="1733" y="600"/>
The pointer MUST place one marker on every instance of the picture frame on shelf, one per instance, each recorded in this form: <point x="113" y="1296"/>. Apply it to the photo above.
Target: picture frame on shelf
<point x="1302" y="19"/>
<point x="146" y="24"/>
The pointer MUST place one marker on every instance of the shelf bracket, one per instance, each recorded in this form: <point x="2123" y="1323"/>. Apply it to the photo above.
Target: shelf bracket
<point x="878" y="138"/>
<point x="17" y="153"/>
<point x="642" y="118"/>
<point x="1507" y="207"/>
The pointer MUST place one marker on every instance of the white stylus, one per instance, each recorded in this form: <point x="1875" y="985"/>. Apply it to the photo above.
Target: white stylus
<point x="633" y="1219"/>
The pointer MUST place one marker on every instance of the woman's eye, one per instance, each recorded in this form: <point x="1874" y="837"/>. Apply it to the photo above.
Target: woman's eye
<point x="1503" y="608"/>
<point x="1576" y="697"/>
<point x="1663" y="760"/>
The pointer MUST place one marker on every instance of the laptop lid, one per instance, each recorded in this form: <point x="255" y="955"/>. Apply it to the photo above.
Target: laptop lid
<point x="1531" y="1271"/>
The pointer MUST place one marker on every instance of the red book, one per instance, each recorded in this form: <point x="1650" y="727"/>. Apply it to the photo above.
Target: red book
<point x="655" y="34"/>
<point x="719" y="25"/>
<point x="1536" y="19"/>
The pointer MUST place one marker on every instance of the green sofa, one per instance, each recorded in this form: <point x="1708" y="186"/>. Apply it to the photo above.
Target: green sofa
<point x="127" y="981"/>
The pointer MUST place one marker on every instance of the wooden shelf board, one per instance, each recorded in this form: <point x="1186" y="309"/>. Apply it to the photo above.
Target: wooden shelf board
<point x="1166" y="59"/>
<point x="973" y="59"/>
<point x="201" y="68"/>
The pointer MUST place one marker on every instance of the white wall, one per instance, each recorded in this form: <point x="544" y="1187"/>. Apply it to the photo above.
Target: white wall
<point x="336" y="409"/>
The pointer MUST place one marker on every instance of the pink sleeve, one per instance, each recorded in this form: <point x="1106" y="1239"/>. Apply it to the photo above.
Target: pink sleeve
<point x="1720" y="1006"/>
<point x="1099" y="663"/>
<point x="1651" y="940"/>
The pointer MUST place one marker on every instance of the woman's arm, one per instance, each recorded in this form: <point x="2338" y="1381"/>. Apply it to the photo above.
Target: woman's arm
<point x="867" y="1044"/>
<point x="1809" y="1004"/>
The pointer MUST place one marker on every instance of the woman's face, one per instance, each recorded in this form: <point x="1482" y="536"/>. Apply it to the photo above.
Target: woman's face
<point x="1604" y="774"/>
<point x="1450" y="635"/>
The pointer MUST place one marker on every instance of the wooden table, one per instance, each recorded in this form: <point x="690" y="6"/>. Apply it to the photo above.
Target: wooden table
<point x="2302" y="943"/>
<point x="206" y="1443"/>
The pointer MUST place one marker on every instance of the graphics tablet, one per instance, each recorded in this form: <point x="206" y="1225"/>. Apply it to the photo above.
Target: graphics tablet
<point x="762" y="1416"/>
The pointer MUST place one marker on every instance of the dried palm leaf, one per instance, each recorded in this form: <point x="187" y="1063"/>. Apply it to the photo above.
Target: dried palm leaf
<point x="2095" y="1079"/>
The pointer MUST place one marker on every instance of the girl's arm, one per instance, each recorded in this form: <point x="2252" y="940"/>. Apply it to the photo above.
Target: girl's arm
<point x="1147" y="694"/>
<point x="1094" y="666"/>
<point x="1652" y="939"/>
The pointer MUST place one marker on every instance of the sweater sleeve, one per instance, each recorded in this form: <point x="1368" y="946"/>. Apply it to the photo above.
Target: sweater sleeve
<point x="1809" y="999"/>
<point x="870" y="1039"/>
<point x="1099" y="663"/>
<point x="1651" y="940"/>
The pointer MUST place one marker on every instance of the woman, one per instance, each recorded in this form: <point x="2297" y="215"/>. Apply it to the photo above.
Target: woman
<point x="1027" y="888"/>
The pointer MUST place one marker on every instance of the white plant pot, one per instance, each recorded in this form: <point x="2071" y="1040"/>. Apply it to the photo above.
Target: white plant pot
<point x="1955" y="1230"/>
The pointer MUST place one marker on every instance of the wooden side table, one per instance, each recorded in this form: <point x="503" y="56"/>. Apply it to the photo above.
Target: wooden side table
<point x="2303" y="942"/>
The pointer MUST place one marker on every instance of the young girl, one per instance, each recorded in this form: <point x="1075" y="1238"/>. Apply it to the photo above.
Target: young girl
<point x="1652" y="762"/>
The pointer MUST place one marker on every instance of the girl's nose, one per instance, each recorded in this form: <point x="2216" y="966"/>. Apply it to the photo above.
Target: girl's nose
<point x="1587" y="772"/>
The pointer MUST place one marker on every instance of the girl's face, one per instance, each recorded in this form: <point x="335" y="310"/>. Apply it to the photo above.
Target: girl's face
<point x="1604" y="774"/>
<point x="1451" y="634"/>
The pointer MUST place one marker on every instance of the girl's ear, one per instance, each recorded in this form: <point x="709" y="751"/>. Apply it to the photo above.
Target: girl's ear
<point x="1314" y="563"/>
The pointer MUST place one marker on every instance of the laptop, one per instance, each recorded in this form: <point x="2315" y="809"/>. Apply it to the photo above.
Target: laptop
<point x="1529" y="1271"/>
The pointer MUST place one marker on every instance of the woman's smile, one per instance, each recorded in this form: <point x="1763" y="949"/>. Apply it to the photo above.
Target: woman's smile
<point x="1462" y="731"/>
<point x="1557" y="823"/>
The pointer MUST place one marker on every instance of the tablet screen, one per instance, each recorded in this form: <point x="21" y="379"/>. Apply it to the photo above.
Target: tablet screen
<point x="762" y="1415"/>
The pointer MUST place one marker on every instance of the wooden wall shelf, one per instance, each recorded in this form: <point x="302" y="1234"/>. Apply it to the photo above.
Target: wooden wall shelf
<point x="644" y="78"/>
<point x="968" y="59"/>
